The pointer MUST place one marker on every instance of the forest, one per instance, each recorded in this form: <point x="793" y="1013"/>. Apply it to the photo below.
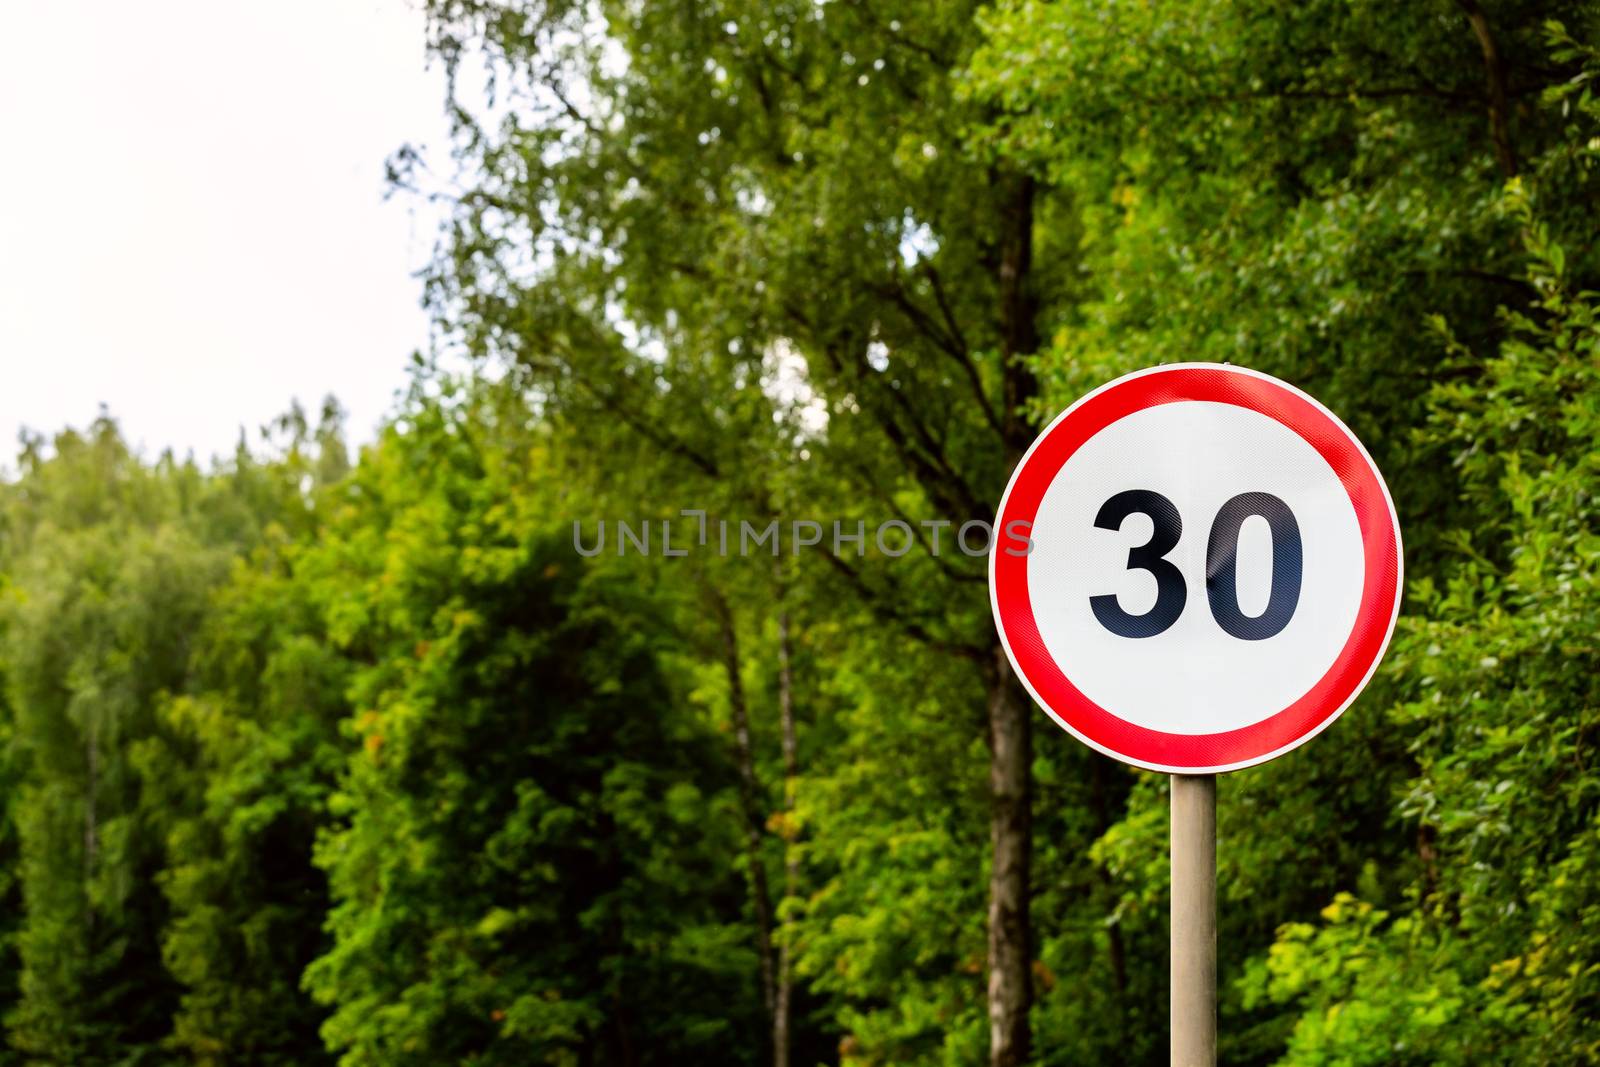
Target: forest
<point x="323" y="754"/>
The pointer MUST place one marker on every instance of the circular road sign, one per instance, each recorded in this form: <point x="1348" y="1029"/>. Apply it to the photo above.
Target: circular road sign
<point x="1196" y="568"/>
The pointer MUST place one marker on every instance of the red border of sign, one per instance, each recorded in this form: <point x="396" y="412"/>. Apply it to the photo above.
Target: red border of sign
<point x="1280" y="732"/>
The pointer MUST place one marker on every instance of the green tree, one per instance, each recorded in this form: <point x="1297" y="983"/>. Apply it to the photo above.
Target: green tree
<point x="1299" y="189"/>
<point x="107" y="586"/>
<point x="238" y="776"/>
<point x="533" y="853"/>
<point x="1491" y="955"/>
<point x="717" y="199"/>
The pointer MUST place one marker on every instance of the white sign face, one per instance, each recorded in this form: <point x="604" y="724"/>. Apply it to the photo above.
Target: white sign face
<point x="1214" y="570"/>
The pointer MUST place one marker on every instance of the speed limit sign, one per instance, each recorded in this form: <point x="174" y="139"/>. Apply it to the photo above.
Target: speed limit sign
<point x="1198" y="569"/>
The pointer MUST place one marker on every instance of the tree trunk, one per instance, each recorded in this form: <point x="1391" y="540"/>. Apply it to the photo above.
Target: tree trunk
<point x="749" y="797"/>
<point x="1494" y="71"/>
<point x="1010" y="710"/>
<point x="783" y="1002"/>
<point x="1011" y="840"/>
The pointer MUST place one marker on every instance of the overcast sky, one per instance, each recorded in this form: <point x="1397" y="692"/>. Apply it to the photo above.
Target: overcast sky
<point x="192" y="222"/>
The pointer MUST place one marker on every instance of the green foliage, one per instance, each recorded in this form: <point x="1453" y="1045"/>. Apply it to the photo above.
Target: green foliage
<point x="525" y="861"/>
<point x="891" y="934"/>
<point x="310" y="762"/>
<point x="1492" y="956"/>
<point x="108" y="582"/>
<point x="240" y="780"/>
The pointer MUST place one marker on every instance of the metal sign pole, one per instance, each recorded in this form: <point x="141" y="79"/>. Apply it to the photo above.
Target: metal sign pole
<point x="1194" y="920"/>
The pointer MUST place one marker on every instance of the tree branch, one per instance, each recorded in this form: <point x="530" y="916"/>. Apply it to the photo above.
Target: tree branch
<point x="1494" y="69"/>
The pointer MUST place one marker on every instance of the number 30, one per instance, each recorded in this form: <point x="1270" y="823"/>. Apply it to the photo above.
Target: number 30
<point x="1221" y="565"/>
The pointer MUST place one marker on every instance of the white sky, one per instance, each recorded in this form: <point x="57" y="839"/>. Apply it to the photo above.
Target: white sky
<point x="192" y="223"/>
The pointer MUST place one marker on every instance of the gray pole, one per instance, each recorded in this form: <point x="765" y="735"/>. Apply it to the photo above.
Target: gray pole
<point x="1194" y="920"/>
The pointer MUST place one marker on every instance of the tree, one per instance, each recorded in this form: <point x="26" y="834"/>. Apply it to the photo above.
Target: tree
<point x="533" y="853"/>
<point x="1490" y="953"/>
<point x="1300" y="190"/>
<point x="709" y="193"/>
<point x="238" y="776"/>
<point x="107" y="584"/>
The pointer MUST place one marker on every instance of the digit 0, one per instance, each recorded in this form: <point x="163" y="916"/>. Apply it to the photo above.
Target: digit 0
<point x="1222" y="551"/>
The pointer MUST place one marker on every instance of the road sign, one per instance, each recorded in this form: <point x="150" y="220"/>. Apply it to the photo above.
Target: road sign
<point x="1196" y="569"/>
